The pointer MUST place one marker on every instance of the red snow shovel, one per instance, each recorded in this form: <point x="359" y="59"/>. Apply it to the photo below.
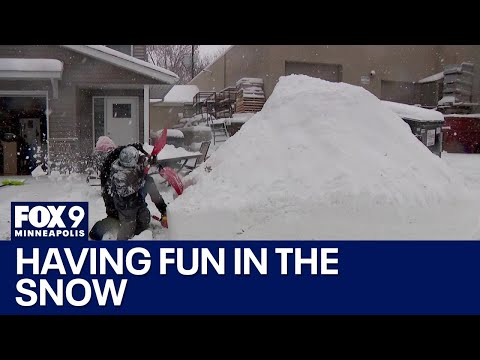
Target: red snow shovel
<point x="166" y="172"/>
<point x="173" y="179"/>
<point x="160" y="143"/>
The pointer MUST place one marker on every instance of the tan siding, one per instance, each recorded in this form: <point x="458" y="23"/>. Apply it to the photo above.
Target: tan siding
<point x="329" y="72"/>
<point x="140" y="52"/>
<point x="164" y="116"/>
<point x="390" y="62"/>
<point x="398" y="91"/>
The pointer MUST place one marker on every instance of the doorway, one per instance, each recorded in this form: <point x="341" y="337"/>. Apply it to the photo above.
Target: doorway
<point x="23" y="133"/>
<point x="122" y="120"/>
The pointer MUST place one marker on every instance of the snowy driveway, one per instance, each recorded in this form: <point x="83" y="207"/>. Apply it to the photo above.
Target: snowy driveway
<point x="461" y="221"/>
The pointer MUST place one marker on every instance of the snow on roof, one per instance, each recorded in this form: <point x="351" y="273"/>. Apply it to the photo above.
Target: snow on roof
<point x="181" y="94"/>
<point x="125" y="61"/>
<point x="49" y="68"/>
<point x="412" y="112"/>
<point x="432" y="78"/>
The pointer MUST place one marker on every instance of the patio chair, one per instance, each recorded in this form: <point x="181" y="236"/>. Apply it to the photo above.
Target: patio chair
<point x="204" y="151"/>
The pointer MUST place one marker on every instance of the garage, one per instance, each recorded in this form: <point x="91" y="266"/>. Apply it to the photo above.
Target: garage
<point x="23" y="132"/>
<point x="329" y="72"/>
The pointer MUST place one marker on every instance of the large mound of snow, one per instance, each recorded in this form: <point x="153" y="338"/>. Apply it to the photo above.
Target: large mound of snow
<point x="318" y="155"/>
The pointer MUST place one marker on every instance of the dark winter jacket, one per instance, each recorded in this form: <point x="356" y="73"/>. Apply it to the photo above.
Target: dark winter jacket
<point x="127" y="185"/>
<point x="126" y="181"/>
<point x="149" y="188"/>
<point x="112" y="156"/>
<point x="105" y="172"/>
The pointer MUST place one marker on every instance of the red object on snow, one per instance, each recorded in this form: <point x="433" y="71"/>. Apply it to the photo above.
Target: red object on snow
<point x="173" y="179"/>
<point x="160" y="143"/>
<point x="461" y="134"/>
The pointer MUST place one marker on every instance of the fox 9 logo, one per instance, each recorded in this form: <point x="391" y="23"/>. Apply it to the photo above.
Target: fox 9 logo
<point x="49" y="220"/>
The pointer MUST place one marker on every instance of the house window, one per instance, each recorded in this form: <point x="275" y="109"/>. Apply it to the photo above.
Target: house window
<point x="126" y="49"/>
<point x="122" y="111"/>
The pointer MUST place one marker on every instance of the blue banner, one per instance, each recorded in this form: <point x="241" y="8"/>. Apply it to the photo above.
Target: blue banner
<point x="239" y="278"/>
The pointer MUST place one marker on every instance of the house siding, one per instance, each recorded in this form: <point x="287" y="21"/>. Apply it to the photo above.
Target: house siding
<point x="70" y="129"/>
<point x="140" y="52"/>
<point x="164" y="116"/>
<point x="391" y="63"/>
<point x="85" y="115"/>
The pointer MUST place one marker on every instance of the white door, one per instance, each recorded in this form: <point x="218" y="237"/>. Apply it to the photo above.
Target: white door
<point x="122" y="120"/>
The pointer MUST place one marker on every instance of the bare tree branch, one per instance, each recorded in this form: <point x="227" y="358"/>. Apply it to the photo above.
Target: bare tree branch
<point x="177" y="58"/>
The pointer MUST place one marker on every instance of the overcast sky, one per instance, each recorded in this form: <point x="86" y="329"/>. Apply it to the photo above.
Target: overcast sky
<point x="209" y="49"/>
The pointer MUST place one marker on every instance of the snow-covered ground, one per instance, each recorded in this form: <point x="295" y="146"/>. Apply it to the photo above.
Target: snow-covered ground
<point x="321" y="161"/>
<point x="70" y="188"/>
<point x="457" y="220"/>
<point x="415" y="224"/>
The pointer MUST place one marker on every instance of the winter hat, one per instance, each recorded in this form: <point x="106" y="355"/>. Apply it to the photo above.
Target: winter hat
<point x="105" y="144"/>
<point x="128" y="157"/>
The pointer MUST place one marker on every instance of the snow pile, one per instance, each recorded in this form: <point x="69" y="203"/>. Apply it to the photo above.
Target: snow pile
<point x="414" y="112"/>
<point x="169" y="151"/>
<point x="239" y="118"/>
<point x="318" y="156"/>
<point x="171" y="133"/>
<point x="195" y="120"/>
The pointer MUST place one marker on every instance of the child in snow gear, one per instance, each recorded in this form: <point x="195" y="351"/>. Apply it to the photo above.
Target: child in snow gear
<point x="111" y="222"/>
<point x="127" y="184"/>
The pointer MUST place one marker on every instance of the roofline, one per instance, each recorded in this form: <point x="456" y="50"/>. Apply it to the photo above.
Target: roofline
<point x="30" y="75"/>
<point x="162" y="104"/>
<point x="124" y="63"/>
<point x="212" y="63"/>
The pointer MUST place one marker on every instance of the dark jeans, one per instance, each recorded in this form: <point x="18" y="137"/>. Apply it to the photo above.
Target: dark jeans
<point x="151" y="189"/>
<point x="133" y="215"/>
<point x="130" y="217"/>
<point x="109" y="224"/>
<point x="133" y="223"/>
